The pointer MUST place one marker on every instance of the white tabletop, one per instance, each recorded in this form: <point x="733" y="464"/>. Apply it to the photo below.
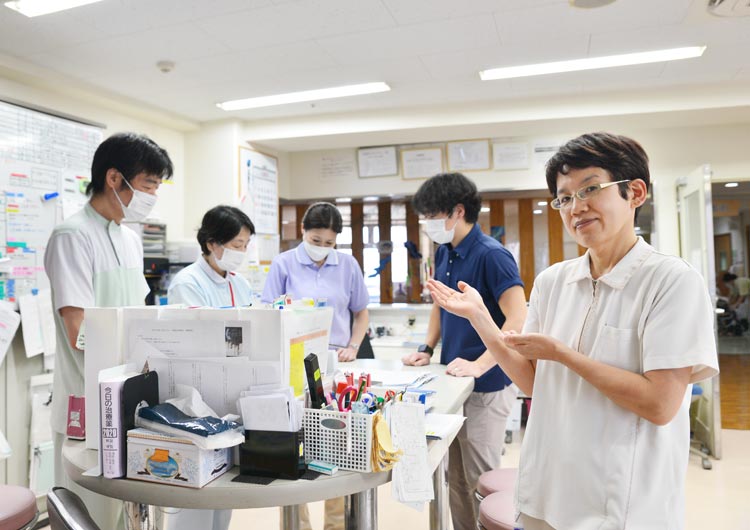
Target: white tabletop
<point x="222" y="493"/>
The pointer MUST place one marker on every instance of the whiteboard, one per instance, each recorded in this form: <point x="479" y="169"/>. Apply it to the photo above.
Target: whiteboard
<point x="45" y="163"/>
<point x="259" y="189"/>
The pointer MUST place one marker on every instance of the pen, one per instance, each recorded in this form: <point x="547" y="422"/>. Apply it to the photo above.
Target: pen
<point x="48" y="196"/>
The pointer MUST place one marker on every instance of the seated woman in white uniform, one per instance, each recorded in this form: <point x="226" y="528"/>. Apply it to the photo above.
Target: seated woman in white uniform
<point x="211" y="281"/>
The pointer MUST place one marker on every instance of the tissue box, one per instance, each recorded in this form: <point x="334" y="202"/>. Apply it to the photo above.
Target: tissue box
<point x="157" y="457"/>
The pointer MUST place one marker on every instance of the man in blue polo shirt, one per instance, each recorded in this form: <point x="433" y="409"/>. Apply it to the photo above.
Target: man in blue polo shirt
<point x="450" y="203"/>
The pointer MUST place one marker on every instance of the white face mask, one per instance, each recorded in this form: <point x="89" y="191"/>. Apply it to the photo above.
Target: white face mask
<point x="230" y="260"/>
<point x="140" y="205"/>
<point x="317" y="253"/>
<point x="435" y="228"/>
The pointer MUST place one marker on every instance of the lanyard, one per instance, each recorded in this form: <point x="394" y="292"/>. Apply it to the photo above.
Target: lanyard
<point x="231" y="292"/>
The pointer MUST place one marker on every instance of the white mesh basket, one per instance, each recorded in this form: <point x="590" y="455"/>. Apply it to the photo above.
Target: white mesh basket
<point x="343" y="439"/>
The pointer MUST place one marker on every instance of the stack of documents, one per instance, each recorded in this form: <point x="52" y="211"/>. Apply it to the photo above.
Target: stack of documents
<point x="442" y="426"/>
<point x="412" y="478"/>
<point x="276" y="410"/>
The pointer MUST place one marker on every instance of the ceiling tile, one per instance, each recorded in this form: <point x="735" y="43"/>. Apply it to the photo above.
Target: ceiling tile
<point x="555" y="22"/>
<point x="296" y="22"/>
<point x="419" y="11"/>
<point x="421" y="39"/>
<point x="22" y="36"/>
<point x="470" y="62"/>
<point x="278" y="61"/>
<point x="126" y="17"/>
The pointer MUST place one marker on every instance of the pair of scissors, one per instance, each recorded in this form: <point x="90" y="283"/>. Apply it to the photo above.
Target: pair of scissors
<point x="346" y="397"/>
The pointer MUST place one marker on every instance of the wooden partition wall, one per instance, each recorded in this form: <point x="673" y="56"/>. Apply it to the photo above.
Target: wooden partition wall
<point x="384" y="227"/>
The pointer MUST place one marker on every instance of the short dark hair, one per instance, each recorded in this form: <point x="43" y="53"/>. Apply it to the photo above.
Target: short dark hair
<point x="221" y="224"/>
<point x="323" y="215"/>
<point x="130" y="154"/>
<point x="443" y="192"/>
<point x="622" y="157"/>
<point x="729" y="277"/>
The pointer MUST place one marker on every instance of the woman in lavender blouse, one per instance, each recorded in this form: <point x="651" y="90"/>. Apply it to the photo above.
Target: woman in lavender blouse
<point x="316" y="270"/>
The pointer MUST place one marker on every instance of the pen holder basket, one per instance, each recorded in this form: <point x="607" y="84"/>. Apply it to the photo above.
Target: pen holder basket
<point x="343" y="439"/>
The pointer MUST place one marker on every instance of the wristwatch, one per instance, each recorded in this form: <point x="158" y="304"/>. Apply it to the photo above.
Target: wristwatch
<point x="425" y="348"/>
<point x="353" y="346"/>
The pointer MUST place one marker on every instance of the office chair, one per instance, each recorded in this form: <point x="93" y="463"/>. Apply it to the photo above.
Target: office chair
<point x="66" y="511"/>
<point x="17" y="508"/>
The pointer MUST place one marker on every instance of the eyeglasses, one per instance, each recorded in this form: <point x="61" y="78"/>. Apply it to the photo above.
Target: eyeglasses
<point x="587" y="192"/>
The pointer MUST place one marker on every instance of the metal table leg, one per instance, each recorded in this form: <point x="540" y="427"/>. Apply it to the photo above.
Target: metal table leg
<point x="361" y="510"/>
<point x="290" y="517"/>
<point x="139" y="516"/>
<point x="439" y="512"/>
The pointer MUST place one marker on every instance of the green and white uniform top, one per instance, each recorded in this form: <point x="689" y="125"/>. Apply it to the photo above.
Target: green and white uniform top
<point x="90" y="262"/>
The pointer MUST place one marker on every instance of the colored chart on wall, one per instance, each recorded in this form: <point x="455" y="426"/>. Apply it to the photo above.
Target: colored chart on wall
<point x="259" y="189"/>
<point x="45" y="165"/>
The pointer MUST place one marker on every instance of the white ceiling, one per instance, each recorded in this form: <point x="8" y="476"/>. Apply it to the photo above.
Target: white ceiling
<point x="429" y="51"/>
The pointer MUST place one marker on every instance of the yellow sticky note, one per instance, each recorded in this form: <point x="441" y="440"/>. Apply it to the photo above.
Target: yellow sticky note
<point x="297" y="368"/>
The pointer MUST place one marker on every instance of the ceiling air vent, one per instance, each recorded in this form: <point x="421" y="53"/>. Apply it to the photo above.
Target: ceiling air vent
<point x="729" y="8"/>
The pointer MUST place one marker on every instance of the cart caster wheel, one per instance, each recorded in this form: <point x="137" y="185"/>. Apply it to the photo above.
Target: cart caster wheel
<point x="707" y="464"/>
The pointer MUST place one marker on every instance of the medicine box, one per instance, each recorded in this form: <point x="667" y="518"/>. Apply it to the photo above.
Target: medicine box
<point x="157" y="457"/>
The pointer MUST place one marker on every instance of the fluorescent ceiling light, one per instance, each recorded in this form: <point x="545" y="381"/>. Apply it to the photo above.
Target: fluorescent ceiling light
<point x="344" y="199"/>
<point x="485" y="209"/>
<point x="307" y="95"/>
<point x="542" y="203"/>
<point x="370" y="199"/>
<point x="537" y="212"/>
<point x="34" y="8"/>
<point x="592" y="63"/>
<point x="731" y="185"/>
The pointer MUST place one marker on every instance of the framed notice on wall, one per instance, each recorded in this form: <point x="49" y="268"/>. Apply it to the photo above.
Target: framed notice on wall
<point x="469" y="155"/>
<point x="421" y="163"/>
<point x="510" y="155"/>
<point x="259" y="189"/>
<point x="377" y="161"/>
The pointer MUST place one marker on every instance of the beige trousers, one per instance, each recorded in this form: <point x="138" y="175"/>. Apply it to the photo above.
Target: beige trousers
<point x="477" y="448"/>
<point x="334" y="515"/>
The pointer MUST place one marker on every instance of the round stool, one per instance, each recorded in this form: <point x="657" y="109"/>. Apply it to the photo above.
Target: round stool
<point x="18" y="508"/>
<point x="501" y="479"/>
<point x="496" y="511"/>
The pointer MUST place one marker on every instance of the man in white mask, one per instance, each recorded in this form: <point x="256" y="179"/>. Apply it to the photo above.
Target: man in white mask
<point x="213" y="280"/>
<point x="450" y="204"/>
<point x="92" y="260"/>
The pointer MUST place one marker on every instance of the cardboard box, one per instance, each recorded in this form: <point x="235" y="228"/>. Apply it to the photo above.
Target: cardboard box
<point x="157" y="457"/>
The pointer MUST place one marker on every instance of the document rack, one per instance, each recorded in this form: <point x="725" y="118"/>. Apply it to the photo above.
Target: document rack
<point x="343" y="439"/>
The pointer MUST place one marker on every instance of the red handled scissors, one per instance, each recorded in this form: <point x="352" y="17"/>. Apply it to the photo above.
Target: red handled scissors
<point x="346" y="397"/>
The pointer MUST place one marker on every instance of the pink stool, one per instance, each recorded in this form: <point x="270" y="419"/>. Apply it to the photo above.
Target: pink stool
<point x="496" y="512"/>
<point x="501" y="479"/>
<point x="17" y="508"/>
